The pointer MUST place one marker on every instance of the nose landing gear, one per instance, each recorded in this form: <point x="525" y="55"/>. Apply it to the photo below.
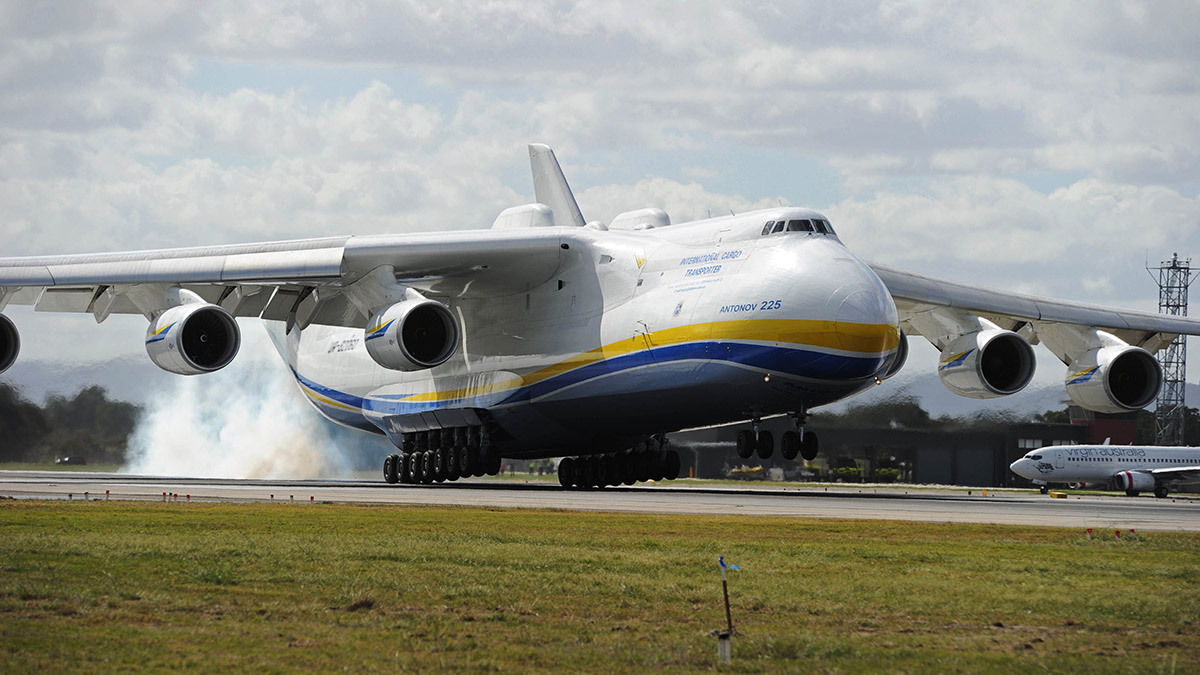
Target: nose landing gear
<point x="792" y="443"/>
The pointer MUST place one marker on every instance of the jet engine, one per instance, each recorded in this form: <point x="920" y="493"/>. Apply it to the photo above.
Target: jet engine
<point x="10" y="343"/>
<point x="1135" y="481"/>
<point x="987" y="364"/>
<point x="898" y="359"/>
<point x="412" y="335"/>
<point x="193" y="338"/>
<point x="1114" y="379"/>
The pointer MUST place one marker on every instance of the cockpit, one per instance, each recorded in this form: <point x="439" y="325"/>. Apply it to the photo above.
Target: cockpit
<point x="1033" y="456"/>
<point x="810" y="225"/>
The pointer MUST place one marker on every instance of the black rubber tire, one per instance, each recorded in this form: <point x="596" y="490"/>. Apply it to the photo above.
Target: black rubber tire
<point x="405" y="469"/>
<point x="417" y="460"/>
<point x="628" y="467"/>
<point x="1132" y="493"/>
<point x="671" y="465"/>
<point x="745" y="443"/>
<point x="390" y="475"/>
<point x="566" y="470"/>
<point x="474" y="466"/>
<point x="809" y="446"/>
<point x="462" y="460"/>
<point x="494" y="461"/>
<point x="765" y="447"/>
<point x="1045" y="489"/>
<point x="789" y="445"/>
<point x="1160" y="491"/>
<point x="428" y="466"/>
<point x="452" y="472"/>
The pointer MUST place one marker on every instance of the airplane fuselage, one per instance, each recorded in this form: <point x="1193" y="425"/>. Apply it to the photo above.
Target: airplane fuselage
<point x="637" y="332"/>
<point x="1099" y="464"/>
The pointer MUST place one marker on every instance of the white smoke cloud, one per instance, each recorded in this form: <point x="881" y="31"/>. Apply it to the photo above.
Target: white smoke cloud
<point x="246" y="421"/>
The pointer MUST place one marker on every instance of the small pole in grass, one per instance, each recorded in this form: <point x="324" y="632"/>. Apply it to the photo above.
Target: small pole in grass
<point x="1089" y="534"/>
<point x="724" y="649"/>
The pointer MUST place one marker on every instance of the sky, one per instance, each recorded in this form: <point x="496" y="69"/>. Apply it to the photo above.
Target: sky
<point x="1047" y="148"/>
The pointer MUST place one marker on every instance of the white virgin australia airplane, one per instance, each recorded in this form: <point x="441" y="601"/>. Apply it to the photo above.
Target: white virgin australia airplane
<point x="1132" y="468"/>
<point x="548" y="336"/>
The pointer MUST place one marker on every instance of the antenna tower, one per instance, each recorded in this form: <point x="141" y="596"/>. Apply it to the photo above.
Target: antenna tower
<point x="1174" y="277"/>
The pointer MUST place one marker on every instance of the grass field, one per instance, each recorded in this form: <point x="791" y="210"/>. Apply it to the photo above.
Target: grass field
<point x="114" y="586"/>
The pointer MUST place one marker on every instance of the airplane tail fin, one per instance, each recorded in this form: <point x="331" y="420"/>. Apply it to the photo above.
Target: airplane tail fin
<point x="550" y="186"/>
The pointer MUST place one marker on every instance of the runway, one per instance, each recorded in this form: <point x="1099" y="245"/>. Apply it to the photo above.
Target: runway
<point x="1181" y="514"/>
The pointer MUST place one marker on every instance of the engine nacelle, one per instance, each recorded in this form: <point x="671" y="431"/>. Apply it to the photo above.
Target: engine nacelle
<point x="412" y="335"/>
<point x="899" y="358"/>
<point x="10" y="343"/>
<point x="987" y="364"/>
<point x="1114" y="379"/>
<point x="1138" y="481"/>
<point x="193" y="338"/>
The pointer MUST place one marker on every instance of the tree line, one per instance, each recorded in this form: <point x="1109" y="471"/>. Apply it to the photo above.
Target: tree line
<point x="88" y="424"/>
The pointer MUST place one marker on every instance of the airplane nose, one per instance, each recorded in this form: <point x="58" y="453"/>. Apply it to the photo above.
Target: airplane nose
<point x="866" y="319"/>
<point x="1020" y="467"/>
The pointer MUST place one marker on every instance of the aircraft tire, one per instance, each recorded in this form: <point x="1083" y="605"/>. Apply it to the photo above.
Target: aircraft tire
<point x="493" y="463"/>
<point x="389" y="469"/>
<point x="1132" y="493"/>
<point x="452" y="471"/>
<point x="566" y="469"/>
<point x="405" y="469"/>
<point x="628" y="468"/>
<point x="1160" y="491"/>
<point x="427" y="464"/>
<point x="765" y="445"/>
<point x="672" y="465"/>
<point x="789" y="445"/>
<point x="417" y="468"/>
<point x="809" y="446"/>
<point x="658" y="466"/>
<point x="745" y="443"/>
<point x="1045" y="489"/>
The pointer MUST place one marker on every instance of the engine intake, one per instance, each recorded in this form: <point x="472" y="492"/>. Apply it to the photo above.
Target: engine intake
<point x="1114" y="379"/>
<point x="412" y="335"/>
<point x="987" y="364"/>
<point x="10" y="343"/>
<point x="192" y="339"/>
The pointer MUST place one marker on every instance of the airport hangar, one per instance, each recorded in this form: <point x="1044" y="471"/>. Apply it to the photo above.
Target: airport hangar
<point x="944" y="456"/>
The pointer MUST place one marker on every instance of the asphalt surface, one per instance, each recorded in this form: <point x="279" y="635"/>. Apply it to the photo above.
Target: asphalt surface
<point x="1178" y="513"/>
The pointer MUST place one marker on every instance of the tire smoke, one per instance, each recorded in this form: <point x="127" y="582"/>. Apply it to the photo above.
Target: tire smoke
<point x="248" y="420"/>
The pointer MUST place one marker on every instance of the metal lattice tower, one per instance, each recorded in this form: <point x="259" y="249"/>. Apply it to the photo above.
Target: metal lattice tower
<point x="1174" y="277"/>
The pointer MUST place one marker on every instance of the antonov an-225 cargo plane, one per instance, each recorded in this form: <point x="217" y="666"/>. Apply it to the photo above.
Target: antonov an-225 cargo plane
<point x="547" y="336"/>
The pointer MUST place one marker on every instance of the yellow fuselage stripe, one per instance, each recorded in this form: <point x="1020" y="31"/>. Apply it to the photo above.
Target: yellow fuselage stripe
<point x="863" y="338"/>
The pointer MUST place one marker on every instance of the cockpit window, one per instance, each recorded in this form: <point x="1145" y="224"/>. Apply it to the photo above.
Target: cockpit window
<point x="779" y="225"/>
<point x="767" y="227"/>
<point x="1035" y="457"/>
<point x="800" y="226"/>
<point x="823" y="226"/>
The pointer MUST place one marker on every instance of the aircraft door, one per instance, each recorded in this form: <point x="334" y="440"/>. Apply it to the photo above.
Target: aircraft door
<point x="1058" y="458"/>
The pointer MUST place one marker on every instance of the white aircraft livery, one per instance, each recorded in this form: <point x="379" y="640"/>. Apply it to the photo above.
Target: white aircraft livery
<point x="1132" y="468"/>
<point x="547" y="335"/>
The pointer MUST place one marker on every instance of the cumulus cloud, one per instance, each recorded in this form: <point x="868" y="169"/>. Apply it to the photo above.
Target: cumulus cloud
<point x="1020" y="144"/>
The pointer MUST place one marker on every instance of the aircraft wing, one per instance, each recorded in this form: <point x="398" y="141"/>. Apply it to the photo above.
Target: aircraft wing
<point x="276" y="279"/>
<point x="1183" y="474"/>
<point x="1026" y="314"/>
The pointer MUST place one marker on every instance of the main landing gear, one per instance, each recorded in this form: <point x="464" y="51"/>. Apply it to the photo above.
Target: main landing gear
<point x="651" y="460"/>
<point x="442" y="454"/>
<point x="792" y="443"/>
